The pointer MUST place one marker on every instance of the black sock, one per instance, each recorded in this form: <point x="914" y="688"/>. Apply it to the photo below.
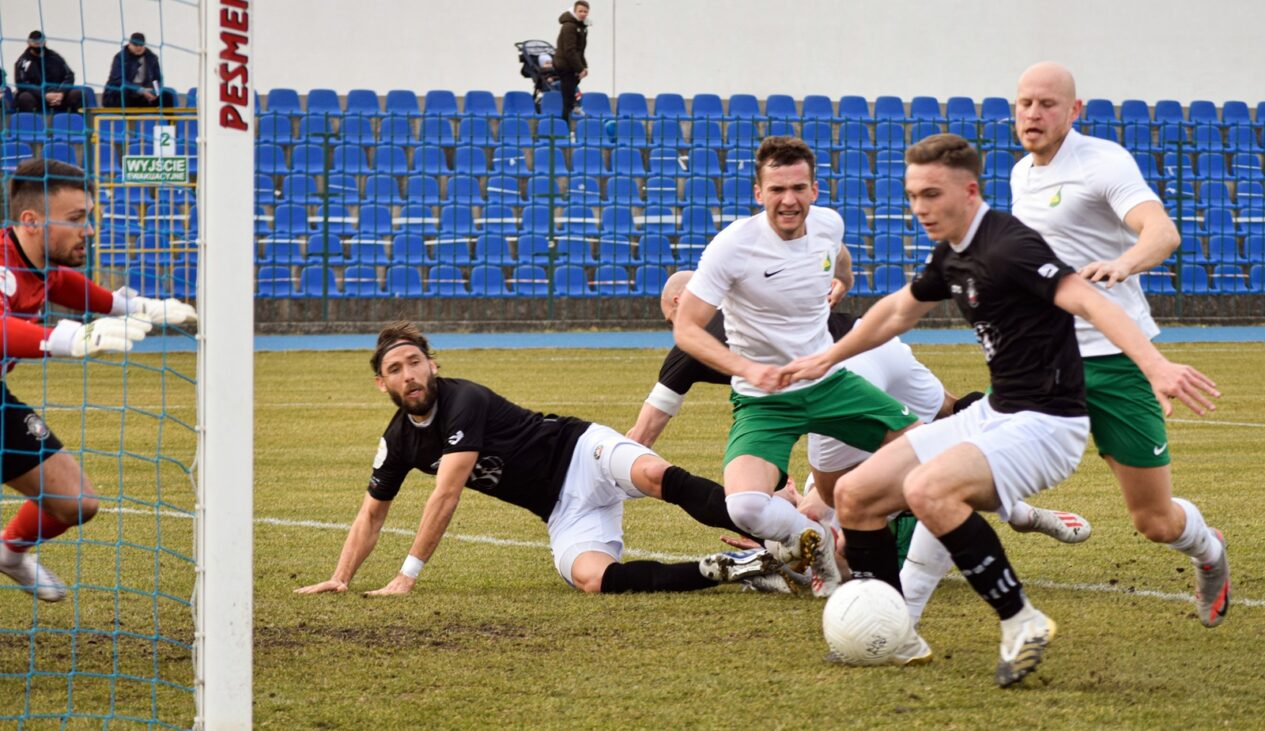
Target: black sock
<point x="967" y="400"/>
<point x="977" y="551"/>
<point x="703" y="499"/>
<point x="872" y="554"/>
<point x="653" y="576"/>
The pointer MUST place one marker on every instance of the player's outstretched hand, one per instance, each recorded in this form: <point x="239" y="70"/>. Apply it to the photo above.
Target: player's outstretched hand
<point x="329" y="585"/>
<point x="72" y="339"/>
<point x="764" y="377"/>
<point x="170" y="311"/>
<point x="1110" y="273"/>
<point x="740" y="542"/>
<point x="401" y="584"/>
<point x="838" y="288"/>
<point x="804" y="369"/>
<point x="1184" y="383"/>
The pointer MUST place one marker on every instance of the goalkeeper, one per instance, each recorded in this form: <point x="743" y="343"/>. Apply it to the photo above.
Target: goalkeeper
<point x="50" y="207"/>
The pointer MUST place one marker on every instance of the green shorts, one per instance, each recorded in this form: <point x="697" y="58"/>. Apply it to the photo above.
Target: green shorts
<point x="1124" y="417"/>
<point x="903" y="527"/>
<point x="844" y="406"/>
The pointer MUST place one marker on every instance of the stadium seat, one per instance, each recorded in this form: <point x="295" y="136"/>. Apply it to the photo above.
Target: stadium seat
<point x="661" y="191"/>
<point x="1134" y="111"/>
<point x="383" y="189"/>
<point x="890" y="220"/>
<point x="997" y="193"/>
<point x="744" y="106"/>
<point x="475" y="131"/>
<point x="997" y="165"/>
<point x="888" y="278"/>
<point x="612" y="280"/>
<point x="585" y="190"/>
<point x="666" y="162"/>
<point x="270" y="159"/>
<point x="410" y="249"/>
<point x="361" y="281"/>
<point x="925" y="108"/>
<point x="350" y="160"/>
<point x="993" y="109"/>
<point x="889" y="136"/>
<point x="854" y="164"/>
<point x="615" y="221"/>
<point x="588" y="161"/>
<point x="403" y="281"/>
<point x="591" y="132"/>
<point x="615" y="250"/>
<point x="891" y="164"/>
<point x="291" y="220"/>
<point x="648" y="279"/>
<point x="575" y="250"/>
<point x="1194" y="279"/>
<point x="704" y="161"/>
<point x="505" y="190"/>
<point x="856" y="224"/>
<point x="855" y="136"/>
<point x="998" y="136"/>
<point x="529" y="280"/>
<point x="666" y="133"/>
<point x="440" y="103"/>
<point x="852" y="192"/>
<point x="1256" y="278"/>
<point x="890" y="249"/>
<point x="317" y="280"/>
<point x="1158" y="281"/>
<point x="533" y="249"/>
<point x="655" y="249"/>
<point x="739" y="190"/>
<point x="491" y="248"/>
<point x="670" y="106"/>
<point x="569" y="280"/>
<point x="689" y="249"/>
<point x="697" y="220"/>
<point x="1099" y="110"/>
<point x="488" y="280"/>
<point x="326" y="249"/>
<point x="1247" y="167"/>
<point x="275" y="281"/>
<point x="1235" y="113"/>
<point x="470" y="161"/>
<point x="499" y="220"/>
<point x="889" y="107"/>
<point x="506" y="160"/>
<point x="317" y="129"/>
<point x="961" y="108"/>
<point x="1224" y="249"/>
<point x="367" y="253"/>
<point x="539" y="220"/>
<point x="706" y="106"/>
<point x="701" y="192"/>
<point x="364" y="103"/>
<point x="456" y="220"/>
<point x="437" y="131"/>
<point x="301" y="189"/>
<point x="334" y="218"/>
<point x="888" y="192"/>
<point x="550" y="160"/>
<point x="1168" y="111"/>
<point x="658" y="220"/>
<point x="309" y="158"/>
<point x="631" y="133"/>
<point x="578" y="220"/>
<point x="422" y="190"/>
<point x="63" y="151"/>
<point x="281" y="251"/>
<point x="68" y="128"/>
<point x="263" y="221"/>
<point x="479" y="104"/>
<point x="1208" y="138"/>
<point x="1249" y="194"/>
<point x="819" y="134"/>
<point x="851" y="109"/>
<point x="417" y="219"/>
<point x="742" y="134"/>
<point x="631" y="104"/>
<point x="517" y="104"/>
<point x="1251" y="222"/>
<point x="284" y="101"/>
<point x="596" y="104"/>
<point x="453" y="250"/>
<point x="374" y="222"/>
<point x="1173" y="135"/>
<point x="782" y="106"/>
<point x="922" y="130"/>
<point x="323" y="102"/>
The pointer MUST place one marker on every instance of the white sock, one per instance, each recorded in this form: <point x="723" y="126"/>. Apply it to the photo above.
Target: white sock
<point x="1021" y="516"/>
<point x="1197" y="539"/>
<point x="766" y="518"/>
<point x="925" y="565"/>
<point x="1010" y="626"/>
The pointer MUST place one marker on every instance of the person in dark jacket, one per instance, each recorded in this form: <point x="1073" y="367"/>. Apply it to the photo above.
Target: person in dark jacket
<point x="568" y="59"/>
<point x="44" y="80"/>
<point x="136" y="78"/>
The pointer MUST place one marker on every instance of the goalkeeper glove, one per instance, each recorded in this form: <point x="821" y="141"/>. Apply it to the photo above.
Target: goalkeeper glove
<point x="169" y="311"/>
<point x="108" y="334"/>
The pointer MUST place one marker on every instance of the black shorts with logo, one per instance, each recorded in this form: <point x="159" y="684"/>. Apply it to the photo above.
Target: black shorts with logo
<point x="25" y="440"/>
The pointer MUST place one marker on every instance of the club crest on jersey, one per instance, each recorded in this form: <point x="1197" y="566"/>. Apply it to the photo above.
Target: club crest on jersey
<point x="597" y="453"/>
<point x="1057" y="198"/>
<point x="972" y="297"/>
<point x="36" y="427"/>
<point x="825" y="262"/>
<point x="8" y="282"/>
<point x="457" y="437"/>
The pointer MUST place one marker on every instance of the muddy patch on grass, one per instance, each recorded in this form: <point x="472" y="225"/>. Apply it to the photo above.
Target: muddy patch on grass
<point x="450" y="635"/>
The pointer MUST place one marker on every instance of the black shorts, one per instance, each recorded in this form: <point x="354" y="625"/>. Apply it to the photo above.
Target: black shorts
<point x="25" y="440"/>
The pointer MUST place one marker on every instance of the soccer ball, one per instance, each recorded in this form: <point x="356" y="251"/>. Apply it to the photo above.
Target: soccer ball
<point x="865" y="621"/>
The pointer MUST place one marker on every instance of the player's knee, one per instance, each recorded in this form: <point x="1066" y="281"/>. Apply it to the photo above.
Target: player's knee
<point x="920" y="491"/>
<point x="648" y="473"/>
<point x="850" y="500"/>
<point x="1158" y="527"/>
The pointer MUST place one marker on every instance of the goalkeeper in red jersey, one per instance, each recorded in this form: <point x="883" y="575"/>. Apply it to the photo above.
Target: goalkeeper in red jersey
<point x="50" y="212"/>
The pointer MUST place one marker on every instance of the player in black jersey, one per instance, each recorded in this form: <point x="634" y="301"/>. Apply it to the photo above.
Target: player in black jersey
<point x="1029" y="433"/>
<point x="572" y="474"/>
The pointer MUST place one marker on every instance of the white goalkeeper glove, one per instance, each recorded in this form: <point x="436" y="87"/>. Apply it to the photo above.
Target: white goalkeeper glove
<point x="169" y="311"/>
<point x="71" y="339"/>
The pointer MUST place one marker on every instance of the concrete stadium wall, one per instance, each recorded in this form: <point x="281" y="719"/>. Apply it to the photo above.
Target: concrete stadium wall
<point x="1142" y="49"/>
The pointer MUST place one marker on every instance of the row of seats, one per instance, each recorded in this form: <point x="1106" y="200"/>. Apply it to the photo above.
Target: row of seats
<point x="444" y="103"/>
<point x="36" y="127"/>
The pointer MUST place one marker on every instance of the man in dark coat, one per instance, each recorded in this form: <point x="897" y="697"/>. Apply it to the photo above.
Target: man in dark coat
<point x="136" y="78"/>
<point x="569" y="60"/>
<point x="44" y="80"/>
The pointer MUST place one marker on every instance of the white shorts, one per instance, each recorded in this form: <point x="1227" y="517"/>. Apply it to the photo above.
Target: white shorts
<point x="893" y="368"/>
<point x="1027" y="451"/>
<point x="589" y="515"/>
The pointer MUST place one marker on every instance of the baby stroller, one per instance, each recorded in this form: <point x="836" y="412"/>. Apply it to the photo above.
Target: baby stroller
<point x="537" y="60"/>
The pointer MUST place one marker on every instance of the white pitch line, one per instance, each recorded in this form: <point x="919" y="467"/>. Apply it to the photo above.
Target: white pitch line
<point x="1215" y="422"/>
<point x="655" y="555"/>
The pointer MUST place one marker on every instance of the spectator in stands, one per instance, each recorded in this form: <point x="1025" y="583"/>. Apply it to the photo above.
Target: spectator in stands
<point x="569" y="59"/>
<point x="136" y="78"/>
<point x="44" y="80"/>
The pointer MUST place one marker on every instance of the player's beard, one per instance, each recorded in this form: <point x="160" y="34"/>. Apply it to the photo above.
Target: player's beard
<point x="422" y="407"/>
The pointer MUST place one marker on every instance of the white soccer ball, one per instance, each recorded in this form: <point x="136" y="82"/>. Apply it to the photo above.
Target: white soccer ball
<point x="864" y="622"/>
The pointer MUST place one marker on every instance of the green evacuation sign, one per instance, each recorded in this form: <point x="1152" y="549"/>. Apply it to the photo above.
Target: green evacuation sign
<point x="151" y="169"/>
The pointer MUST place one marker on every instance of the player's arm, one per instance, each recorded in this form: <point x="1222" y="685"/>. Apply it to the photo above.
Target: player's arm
<point x="690" y="332"/>
<point x="844" y="277"/>
<point x="1168" y="379"/>
<point x="894" y="314"/>
<point x="360" y="542"/>
<point x="1157" y="240"/>
<point x="660" y="406"/>
<point x="450" y="479"/>
<point x="74" y="291"/>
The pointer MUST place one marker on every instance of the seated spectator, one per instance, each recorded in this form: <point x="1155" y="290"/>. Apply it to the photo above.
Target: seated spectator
<point x="44" y="80"/>
<point x="136" y="78"/>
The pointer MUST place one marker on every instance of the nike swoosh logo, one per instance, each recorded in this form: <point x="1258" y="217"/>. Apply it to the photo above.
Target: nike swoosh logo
<point x="904" y="411"/>
<point x="1160" y="449"/>
<point x="768" y="273"/>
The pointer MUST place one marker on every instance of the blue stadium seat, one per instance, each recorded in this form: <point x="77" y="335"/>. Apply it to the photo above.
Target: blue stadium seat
<point x="994" y="108"/>
<point x="656" y="250"/>
<point x="662" y="191"/>
<point x="1251" y="222"/>
<point x="1249" y="194"/>
<point x="440" y="103"/>
<point x="892" y="220"/>
<point x="383" y="189"/>
<point x="615" y="250"/>
<point x="492" y="248"/>
<point x="780" y="128"/>
<point x="587" y="161"/>
<point x="437" y="131"/>
<point x="1243" y="138"/>
<point x="1235" y="113"/>
<point x="701" y="192"/>
<point x="508" y="160"/>
<point x="417" y="219"/>
<point x="263" y="221"/>
<point x="1256" y="278"/>
<point x="475" y="131"/>
<point x="453" y="250"/>
<point x="317" y="129"/>
<point x="1157" y="281"/>
<point x="819" y="134"/>
<point x="887" y="192"/>
<point x="488" y="280"/>
<point x="581" y="189"/>
<point x="659" y="220"/>
<point x="854" y="164"/>
<point x="1099" y="110"/>
<point x="744" y="106"/>
<point x="740" y="163"/>
<point x="704" y="161"/>
<point x="782" y="106"/>
<point x="670" y="106"/>
<point x="470" y="161"/>
<point x="612" y="280"/>
<point x="456" y="220"/>
<point x="480" y="103"/>
<point x="410" y="249"/>
<point x="925" y="108"/>
<point x="1102" y="131"/>
<point x="997" y="165"/>
<point x="998" y="136"/>
<point x="889" y="107"/>
<point x="737" y="189"/>
<point x="446" y="280"/>
<point x="265" y="190"/>
<point x="631" y="104"/>
<point x="616" y="221"/>
<point x="575" y="250"/>
<point x="367" y="253"/>
<point x="324" y="102"/>
<point x="648" y="279"/>
<point x="1171" y="163"/>
<point x="291" y="220"/>
<point x="430" y="160"/>
<point x="891" y="164"/>
<point x="537" y="220"/>
<point x="404" y="281"/>
<point x="275" y="281"/>
<point x="889" y="136"/>
<point x="517" y="104"/>
<point x="890" y="249"/>
<point x="852" y="192"/>
<point x="997" y="193"/>
<point x="549" y="160"/>
<point x="1168" y="111"/>
<point x="689" y="249"/>
<point x="505" y="190"/>
<point x="302" y="189"/>
<point x="569" y="280"/>
<point x="921" y="130"/>
<point x="532" y="249"/>
<point x="961" y="108"/>
<point x="1193" y="279"/>
<point x="309" y="158"/>
<point x="591" y="132"/>
<point x="1247" y="167"/>
<point x="363" y="102"/>
<point x="284" y="101"/>
<point x="1229" y="279"/>
<point x="361" y="281"/>
<point x="1147" y="165"/>
<point x="498" y="220"/>
<point x="855" y="136"/>
<point x="335" y="218"/>
<point x="852" y="108"/>
<point x="1224" y="249"/>
<point x="742" y="134"/>
<point x="596" y="104"/>
<point x="281" y="251"/>
<point x="529" y="280"/>
<point x="350" y="160"/>
<point x="269" y="159"/>
<point x="666" y="133"/>
<point x="666" y="162"/>
<point x="318" y="280"/>
<point x="631" y="133"/>
<point x="888" y="278"/>
<point x="697" y="220"/>
<point x="422" y="190"/>
<point x="706" y="106"/>
<point x="63" y="151"/>
<point x="375" y="222"/>
<point x="1135" y="111"/>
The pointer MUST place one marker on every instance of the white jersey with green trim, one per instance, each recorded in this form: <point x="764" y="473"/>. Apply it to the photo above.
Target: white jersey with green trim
<point x="773" y="292"/>
<point x="1078" y="203"/>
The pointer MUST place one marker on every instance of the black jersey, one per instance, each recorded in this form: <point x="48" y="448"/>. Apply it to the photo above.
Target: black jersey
<point x="1004" y="284"/>
<point x="681" y="370"/>
<point x="523" y="455"/>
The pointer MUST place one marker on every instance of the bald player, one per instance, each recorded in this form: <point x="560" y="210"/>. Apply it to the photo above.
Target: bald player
<point x="1088" y="200"/>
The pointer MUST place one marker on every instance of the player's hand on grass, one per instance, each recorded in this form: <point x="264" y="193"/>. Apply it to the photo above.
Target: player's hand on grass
<point x="329" y="585"/>
<point x="1109" y="273"/>
<point x="400" y="585"/>
<point x="73" y="339"/>
<point x="170" y="311"/>
<point x="740" y="542"/>
<point x="1184" y="383"/>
